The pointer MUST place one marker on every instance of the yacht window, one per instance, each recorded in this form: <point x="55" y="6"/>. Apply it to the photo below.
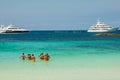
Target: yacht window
<point x="12" y="28"/>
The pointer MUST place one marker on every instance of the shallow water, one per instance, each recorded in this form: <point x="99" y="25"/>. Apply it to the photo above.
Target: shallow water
<point x="74" y="55"/>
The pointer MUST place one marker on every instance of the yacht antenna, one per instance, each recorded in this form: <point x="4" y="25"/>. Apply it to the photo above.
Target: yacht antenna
<point x="98" y="21"/>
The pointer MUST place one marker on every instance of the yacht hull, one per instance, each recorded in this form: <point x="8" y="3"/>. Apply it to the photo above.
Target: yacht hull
<point x="14" y="31"/>
<point x="111" y="30"/>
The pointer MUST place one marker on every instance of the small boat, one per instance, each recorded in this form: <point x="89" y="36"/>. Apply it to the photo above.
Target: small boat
<point x="101" y="27"/>
<point x="12" y="29"/>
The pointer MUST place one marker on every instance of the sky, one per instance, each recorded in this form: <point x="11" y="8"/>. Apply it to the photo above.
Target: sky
<point x="59" y="14"/>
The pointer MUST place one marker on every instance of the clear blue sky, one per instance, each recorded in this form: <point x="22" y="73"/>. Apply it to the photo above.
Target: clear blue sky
<point x="59" y="14"/>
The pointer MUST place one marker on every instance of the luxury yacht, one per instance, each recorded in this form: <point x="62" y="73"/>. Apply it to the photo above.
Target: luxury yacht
<point x="101" y="27"/>
<point x="11" y="29"/>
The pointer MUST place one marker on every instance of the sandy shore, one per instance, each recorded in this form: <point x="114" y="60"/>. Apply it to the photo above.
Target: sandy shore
<point x="61" y="74"/>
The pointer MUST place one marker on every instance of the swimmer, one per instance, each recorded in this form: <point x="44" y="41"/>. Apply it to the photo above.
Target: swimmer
<point x="46" y="57"/>
<point x="33" y="58"/>
<point x="29" y="56"/>
<point x="23" y="56"/>
<point x="41" y="56"/>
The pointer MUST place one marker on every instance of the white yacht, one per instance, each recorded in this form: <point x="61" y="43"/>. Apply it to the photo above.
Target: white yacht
<point x="11" y="29"/>
<point x="101" y="27"/>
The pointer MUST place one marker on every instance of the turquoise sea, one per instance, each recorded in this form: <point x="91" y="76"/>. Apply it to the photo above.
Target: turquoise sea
<point x="74" y="55"/>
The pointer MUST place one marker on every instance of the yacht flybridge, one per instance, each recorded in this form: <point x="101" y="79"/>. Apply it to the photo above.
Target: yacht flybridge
<point x="101" y="27"/>
<point x="11" y="29"/>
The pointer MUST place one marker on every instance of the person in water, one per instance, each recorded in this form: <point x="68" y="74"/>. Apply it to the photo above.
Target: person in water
<point x="29" y="56"/>
<point x="41" y="56"/>
<point x="33" y="58"/>
<point x="46" y="57"/>
<point x="23" y="56"/>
